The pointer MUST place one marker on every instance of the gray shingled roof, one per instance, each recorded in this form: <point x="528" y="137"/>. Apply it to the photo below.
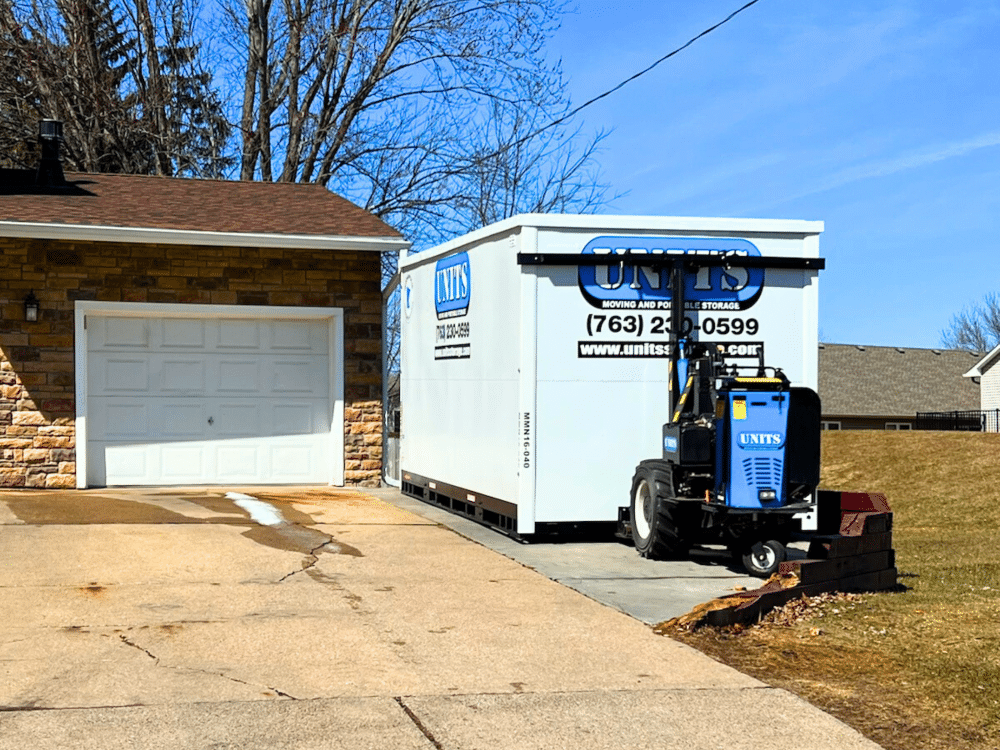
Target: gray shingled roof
<point x="885" y="381"/>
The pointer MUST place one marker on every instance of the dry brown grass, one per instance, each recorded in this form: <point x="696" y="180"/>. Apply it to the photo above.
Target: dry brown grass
<point x="916" y="669"/>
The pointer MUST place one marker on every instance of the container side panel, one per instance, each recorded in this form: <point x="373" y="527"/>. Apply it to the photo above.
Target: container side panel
<point x="459" y="372"/>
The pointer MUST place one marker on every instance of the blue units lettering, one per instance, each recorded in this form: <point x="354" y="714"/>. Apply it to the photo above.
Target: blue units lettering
<point x="452" y="286"/>
<point x="622" y="285"/>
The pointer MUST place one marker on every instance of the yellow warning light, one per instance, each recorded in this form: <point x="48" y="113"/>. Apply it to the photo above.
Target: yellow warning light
<point x="739" y="408"/>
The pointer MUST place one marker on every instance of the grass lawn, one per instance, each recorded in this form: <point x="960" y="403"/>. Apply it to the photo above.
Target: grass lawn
<point x="919" y="668"/>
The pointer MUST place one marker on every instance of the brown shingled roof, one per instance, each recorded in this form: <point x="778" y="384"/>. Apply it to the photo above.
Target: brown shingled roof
<point x="886" y="381"/>
<point x="135" y="201"/>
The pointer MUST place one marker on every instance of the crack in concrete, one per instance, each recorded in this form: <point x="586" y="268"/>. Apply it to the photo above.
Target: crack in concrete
<point x="308" y="561"/>
<point x="159" y="663"/>
<point x="418" y="723"/>
<point x="124" y="639"/>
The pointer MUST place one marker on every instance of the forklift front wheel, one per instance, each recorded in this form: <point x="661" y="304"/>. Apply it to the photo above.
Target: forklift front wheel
<point x="763" y="558"/>
<point x="655" y="530"/>
<point x="643" y="514"/>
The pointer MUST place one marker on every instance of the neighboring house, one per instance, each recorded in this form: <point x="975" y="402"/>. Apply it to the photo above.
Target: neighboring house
<point x="987" y="374"/>
<point x="188" y="332"/>
<point x="884" y="387"/>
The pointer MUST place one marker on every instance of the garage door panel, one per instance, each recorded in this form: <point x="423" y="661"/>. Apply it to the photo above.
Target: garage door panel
<point x="293" y="419"/>
<point x="239" y="420"/>
<point x="120" y="375"/>
<point x="121" y="421"/>
<point x="236" y="375"/>
<point x="294" y="376"/>
<point x="122" y="333"/>
<point x="238" y="334"/>
<point x="241" y="461"/>
<point x="286" y="459"/>
<point x="128" y="463"/>
<point x="185" y="333"/>
<point x="286" y="336"/>
<point x="182" y="376"/>
<point x="181" y="421"/>
<point x="186" y="401"/>
<point x="208" y="375"/>
<point x="180" y="462"/>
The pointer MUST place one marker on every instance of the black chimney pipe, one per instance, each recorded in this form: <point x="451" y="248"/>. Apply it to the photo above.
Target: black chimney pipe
<point x="50" y="172"/>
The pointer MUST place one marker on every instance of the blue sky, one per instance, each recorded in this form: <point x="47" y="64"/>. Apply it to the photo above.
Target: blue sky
<point x="879" y="118"/>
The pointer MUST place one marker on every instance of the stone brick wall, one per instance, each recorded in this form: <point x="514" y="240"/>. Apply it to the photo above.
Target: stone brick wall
<point x="37" y="399"/>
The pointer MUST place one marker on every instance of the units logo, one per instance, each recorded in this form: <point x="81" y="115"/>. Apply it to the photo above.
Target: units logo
<point x="619" y="284"/>
<point x="452" y="286"/>
<point x="760" y="441"/>
<point x="408" y="296"/>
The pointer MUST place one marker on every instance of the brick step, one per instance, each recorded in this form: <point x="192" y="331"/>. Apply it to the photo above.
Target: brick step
<point x="839" y="568"/>
<point x="860" y="523"/>
<point x="835" y="545"/>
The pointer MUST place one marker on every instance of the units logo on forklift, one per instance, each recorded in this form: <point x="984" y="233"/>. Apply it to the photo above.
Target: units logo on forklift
<point x="760" y="441"/>
<point x="620" y="285"/>
<point x="452" y="286"/>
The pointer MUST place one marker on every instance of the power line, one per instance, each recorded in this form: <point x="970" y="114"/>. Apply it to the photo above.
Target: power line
<point x="627" y="81"/>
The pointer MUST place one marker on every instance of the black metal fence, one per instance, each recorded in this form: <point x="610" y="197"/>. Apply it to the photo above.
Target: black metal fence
<point x="966" y="421"/>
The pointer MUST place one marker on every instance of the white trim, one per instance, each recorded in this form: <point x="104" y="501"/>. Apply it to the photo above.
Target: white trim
<point x="611" y="223"/>
<point x="80" y="356"/>
<point x="335" y="316"/>
<point x="984" y="364"/>
<point x="146" y="235"/>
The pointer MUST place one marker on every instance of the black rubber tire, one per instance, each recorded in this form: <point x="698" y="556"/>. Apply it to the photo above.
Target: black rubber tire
<point x="656" y="532"/>
<point x="764" y="562"/>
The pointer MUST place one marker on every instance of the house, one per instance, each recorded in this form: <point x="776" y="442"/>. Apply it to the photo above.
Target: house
<point x="884" y="387"/>
<point x="159" y="331"/>
<point x="987" y="374"/>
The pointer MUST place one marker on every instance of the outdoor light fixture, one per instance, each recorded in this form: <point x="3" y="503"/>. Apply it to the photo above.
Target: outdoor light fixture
<point x="31" y="307"/>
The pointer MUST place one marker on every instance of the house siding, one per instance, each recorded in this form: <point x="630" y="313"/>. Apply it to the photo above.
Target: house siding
<point x="37" y="376"/>
<point x="989" y="389"/>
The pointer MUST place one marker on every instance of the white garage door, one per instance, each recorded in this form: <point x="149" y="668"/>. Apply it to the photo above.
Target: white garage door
<point x="207" y="401"/>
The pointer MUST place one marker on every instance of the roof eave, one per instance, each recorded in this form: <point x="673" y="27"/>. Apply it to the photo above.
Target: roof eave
<point x="984" y="364"/>
<point x="154" y="236"/>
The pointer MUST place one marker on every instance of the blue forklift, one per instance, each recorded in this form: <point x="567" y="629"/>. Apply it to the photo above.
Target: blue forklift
<point x="741" y="453"/>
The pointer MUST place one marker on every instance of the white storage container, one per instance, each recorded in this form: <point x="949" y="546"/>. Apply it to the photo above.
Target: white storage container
<point x="531" y="391"/>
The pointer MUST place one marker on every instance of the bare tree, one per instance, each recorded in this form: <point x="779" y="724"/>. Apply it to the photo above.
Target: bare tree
<point x="124" y="77"/>
<point x="976" y="328"/>
<point x="422" y="111"/>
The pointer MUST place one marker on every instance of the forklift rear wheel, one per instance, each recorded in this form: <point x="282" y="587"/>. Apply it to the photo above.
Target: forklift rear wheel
<point x="653" y="510"/>
<point x="763" y="558"/>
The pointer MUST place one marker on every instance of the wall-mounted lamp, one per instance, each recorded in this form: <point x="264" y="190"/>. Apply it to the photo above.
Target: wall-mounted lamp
<point x="31" y="307"/>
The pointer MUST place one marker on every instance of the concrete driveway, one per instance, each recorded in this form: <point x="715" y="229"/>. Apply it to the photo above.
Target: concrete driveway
<point x="323" y="618"/>
<point x="608" y="570"/>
